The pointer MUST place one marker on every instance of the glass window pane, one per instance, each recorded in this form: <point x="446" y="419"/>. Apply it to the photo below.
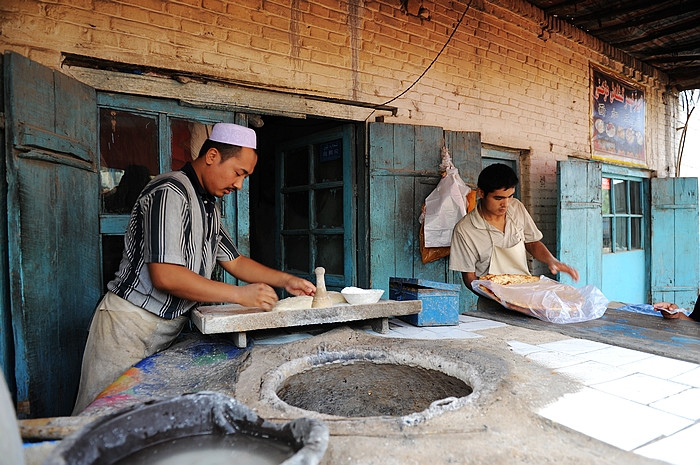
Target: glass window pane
<point x="296" y="210"/>
<point x="606" y="196"/>
<point x="329" y="161"/>
<point x="128" y="157"/>
<point x="607" y="235"/>
<point x="620" y="193"/>
<point x="635" y="197"/>
<point x="296" y="167"/>
<point x="330" y="253"/>
<point x="329" y="208"/>
<point x="636" y="233"/>
<point x="621" y="234"/>
<point x="296" y="253"/>
<point x="186" y="138"/>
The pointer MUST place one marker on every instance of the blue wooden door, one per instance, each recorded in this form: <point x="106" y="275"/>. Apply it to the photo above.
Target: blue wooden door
<point x="53" y="236"/>
<point x="315" y="192"/>
<point x="579" y="224"/>
<point x="625" y="211"/>
<point x="403" y="169"/>
<point x="674" y="240"/>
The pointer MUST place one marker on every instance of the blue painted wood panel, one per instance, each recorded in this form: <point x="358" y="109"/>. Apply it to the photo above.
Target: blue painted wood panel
<point x="625" y="277"/>
<point x="674" y="240"/>
<point x="403" y="169"/>
<point x="466" y="150"/>
<point x="580" y="220"/>
<point x="53" y="244"/>
<point x="6" y="340"/>
<point x="391" y="205"/>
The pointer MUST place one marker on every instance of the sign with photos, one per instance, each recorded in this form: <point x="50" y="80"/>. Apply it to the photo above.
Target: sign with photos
<point x="618" y="111"/>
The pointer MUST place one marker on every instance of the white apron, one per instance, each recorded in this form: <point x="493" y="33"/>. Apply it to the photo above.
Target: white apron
<point x="508" y="260"/>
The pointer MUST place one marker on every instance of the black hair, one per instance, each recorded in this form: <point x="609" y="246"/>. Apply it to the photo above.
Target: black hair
<point x="497" y="176"/>
<point x="226" y="150"/>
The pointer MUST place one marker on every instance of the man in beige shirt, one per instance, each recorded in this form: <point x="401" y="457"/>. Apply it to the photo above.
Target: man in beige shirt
<point x="495" y="236"/>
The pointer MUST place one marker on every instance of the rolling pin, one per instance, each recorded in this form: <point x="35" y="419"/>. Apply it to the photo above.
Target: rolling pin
<point x="321" y="298"/>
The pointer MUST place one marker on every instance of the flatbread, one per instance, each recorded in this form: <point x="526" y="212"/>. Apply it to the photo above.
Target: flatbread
<point x="532" y="295"/>
<point x="506" y="279"/>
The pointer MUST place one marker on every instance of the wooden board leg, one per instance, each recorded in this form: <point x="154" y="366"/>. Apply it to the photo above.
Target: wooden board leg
<point x="239" y="340"/>
<point x="381" y="325"/>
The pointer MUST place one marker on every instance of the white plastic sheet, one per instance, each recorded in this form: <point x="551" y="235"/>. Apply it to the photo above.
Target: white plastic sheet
<point x="444" y="207"/>
<point x="547" y="299"/>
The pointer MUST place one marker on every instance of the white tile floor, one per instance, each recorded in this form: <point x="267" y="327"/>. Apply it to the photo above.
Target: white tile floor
<point x="633" y="400"/>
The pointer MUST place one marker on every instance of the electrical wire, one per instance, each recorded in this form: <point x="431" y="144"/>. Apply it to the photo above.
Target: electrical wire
<point x="449" y="39"/>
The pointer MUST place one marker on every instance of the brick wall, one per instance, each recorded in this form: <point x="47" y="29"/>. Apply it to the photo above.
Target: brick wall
<point x="519" y="78"/>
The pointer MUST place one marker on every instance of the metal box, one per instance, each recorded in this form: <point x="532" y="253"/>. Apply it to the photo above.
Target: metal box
<point x="440" y="301"/>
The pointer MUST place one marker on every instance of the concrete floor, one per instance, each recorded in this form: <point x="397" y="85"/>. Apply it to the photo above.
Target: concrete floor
<point x="539" y="396"/>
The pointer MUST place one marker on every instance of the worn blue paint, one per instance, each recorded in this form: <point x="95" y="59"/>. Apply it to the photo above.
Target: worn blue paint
<point x="625" y="273"/>
<point x="440" y="301"/>
<point x="675" y="241"/>
<point x="625" y="276"/>
<point x="580" y="221"/>
<point x="466" y="151"/>
<point x="611" y="331"/>
<point x="672" y="257"/>
<point x="6" y="339"/>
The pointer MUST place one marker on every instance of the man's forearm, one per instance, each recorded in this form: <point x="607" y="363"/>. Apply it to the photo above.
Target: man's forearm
<point x="248" y="270"/>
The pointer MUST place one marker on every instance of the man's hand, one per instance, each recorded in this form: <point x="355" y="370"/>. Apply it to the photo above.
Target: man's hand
<point x="299" y="286"/>
<point x="256" y="295"/>
<point x="669" y="310"/>
<point x="559" y="267"/>
<point x="538" y="250"/>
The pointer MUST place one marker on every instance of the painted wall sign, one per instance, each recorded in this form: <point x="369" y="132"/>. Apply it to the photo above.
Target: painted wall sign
<point x="330" y="151"/>
<point x="617" y="119"/>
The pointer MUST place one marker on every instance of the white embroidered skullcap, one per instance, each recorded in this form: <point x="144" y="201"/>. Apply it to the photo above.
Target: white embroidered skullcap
<point x="233" y="134"/>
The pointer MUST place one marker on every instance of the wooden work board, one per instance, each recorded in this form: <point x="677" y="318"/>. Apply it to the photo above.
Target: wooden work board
<point x="236" y="319"/>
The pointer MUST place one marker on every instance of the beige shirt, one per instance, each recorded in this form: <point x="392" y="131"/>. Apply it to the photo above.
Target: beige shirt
<point x="473" y="238"/>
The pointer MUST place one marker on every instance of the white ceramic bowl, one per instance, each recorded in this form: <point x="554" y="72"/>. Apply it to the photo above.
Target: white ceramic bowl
<point x="356" y="295"/>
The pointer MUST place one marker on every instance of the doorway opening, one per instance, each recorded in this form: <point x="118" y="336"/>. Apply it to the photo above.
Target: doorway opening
<point x="303" y="198"/>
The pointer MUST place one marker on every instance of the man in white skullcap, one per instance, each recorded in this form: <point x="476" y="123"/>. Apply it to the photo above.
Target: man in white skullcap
<point x="173" y="241"/>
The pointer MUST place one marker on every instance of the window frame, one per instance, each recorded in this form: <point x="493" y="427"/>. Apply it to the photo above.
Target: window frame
<point x="627" y="215"/>
<point x="162" y="110"/>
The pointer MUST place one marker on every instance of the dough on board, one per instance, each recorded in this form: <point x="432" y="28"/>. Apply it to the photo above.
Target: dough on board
<point x="302" y="302"/>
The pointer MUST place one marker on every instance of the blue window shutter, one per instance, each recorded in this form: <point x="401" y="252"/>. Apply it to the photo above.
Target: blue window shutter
<point x="580" y="220"/>
<point x="674" y="240"/>
<point x="393" y="206"/>
<point x="53" y="266"/>
<point x="403" y="169"/>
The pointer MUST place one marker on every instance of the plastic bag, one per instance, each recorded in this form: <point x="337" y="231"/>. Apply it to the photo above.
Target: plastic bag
<point x="547" y="299"/>
<point x="430" y="254"/>
<point x="445" y="205"/>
